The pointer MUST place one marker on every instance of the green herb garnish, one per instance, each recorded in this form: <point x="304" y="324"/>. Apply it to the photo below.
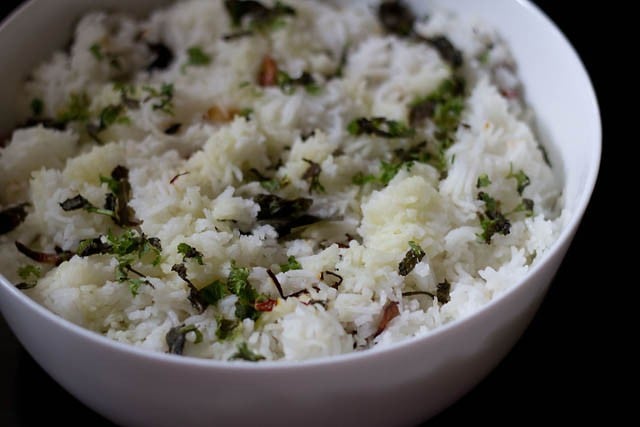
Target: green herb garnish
<point x="190" y="252"/>
<point x="287" y="83"/>
<point x="37" y="106"/>
<point x="197" y="57"/>
<point x="521" y="178"/>
<point x="176" y="337"/>
<point x="379" y="126"/>
<point x="164" y="96"/>
<point x="244" y="353"/>
<point x="259" y="17"/>
<point x="492" y="220"/>
<point x="30" y="275"/>
<point x="291" y="264"/>
<point x="96" y="51"/>
<point x="312" y="176"/>
<point x="483" y="181"/>
<point x="77" y="109"/>
<point x="387" y="172"/>
<point x="413" y="256"/>
<point x="225" y="327"/>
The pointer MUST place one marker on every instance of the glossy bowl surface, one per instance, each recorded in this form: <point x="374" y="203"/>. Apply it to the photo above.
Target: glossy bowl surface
<point x="401" y="385"/>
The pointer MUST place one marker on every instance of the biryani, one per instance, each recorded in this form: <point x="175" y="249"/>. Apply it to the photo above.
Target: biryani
<point x="243" y="180"/>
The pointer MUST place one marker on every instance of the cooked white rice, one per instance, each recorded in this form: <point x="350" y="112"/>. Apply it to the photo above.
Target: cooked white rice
<point x="369" y="226"/>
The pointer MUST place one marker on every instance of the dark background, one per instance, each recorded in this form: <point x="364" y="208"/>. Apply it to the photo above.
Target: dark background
<point x="562" y="369"/>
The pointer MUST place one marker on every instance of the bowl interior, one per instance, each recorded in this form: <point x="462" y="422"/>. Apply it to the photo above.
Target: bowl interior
<point x="556" y="83"/>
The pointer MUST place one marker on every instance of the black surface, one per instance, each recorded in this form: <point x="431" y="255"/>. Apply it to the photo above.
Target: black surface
<point x="558" y="370"/>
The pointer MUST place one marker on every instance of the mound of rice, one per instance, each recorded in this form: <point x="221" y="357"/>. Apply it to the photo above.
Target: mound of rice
<point x="398" y="239"/>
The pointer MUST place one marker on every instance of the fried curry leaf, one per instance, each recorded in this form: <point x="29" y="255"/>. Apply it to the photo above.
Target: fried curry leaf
<point x="176" y="337"/>
<point x="443" y="290"/>
<point x="162" y="56"/>
<point x="244" y="353"/>
<point x="56" y="258"/>
<point x="258" y="16"/>
<point x="413" y="256"/>
<point x="379" y="126"/>
<point x="492" y="220"/>
<point x="396" y="18"/>
<point x="95" y="246"/>
<point x="284" y="214"/>
<point x="194" y="297"/>
<point x="190" y="252"/>
<point x="448" y="52"/>
<point x="312" y="176"/>
<point x="12" y="217"/>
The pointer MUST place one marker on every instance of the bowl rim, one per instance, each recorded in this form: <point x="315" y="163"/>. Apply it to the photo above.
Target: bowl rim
<point x="564" y="239"/>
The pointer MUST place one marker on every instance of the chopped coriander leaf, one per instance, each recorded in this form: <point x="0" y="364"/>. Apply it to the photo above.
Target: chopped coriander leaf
<point x="30" y="275"/>
<point x="396" y="18"/>
<point x="225" y="327"/>
<point x="111" y="114"/>
<point x="244" y="353"/>
<point x="291" y="264"/>
<point x="287" y="83"/>
<point x="197" y="57"/>
<point x="238" y="284"/>
<point x="379" y="126"/>
<point x="96" y="51"/>
<point x="12" y="217"/>
<point x="37" y="107"/>
<point x="214" y="292"/>
<point x="362" y="179"/>
<point x="526" y="206"/>
<point x="483" y="181"/>
<point x="414" y="255"/>
<point x="483" y="58"/>
<point x="77" y="109"/>
<point x="164" y="97"/>
<point x="176" y="337"/>
<point x="492" y="220"/>
<point x="190" y="252"/>
<point x="387" y="172"/>
<point x="521" y="178"/>
<point x="275" y="184"/>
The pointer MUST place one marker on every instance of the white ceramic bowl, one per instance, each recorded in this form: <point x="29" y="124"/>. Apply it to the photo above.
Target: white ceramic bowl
<point x="402" y="385"/>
